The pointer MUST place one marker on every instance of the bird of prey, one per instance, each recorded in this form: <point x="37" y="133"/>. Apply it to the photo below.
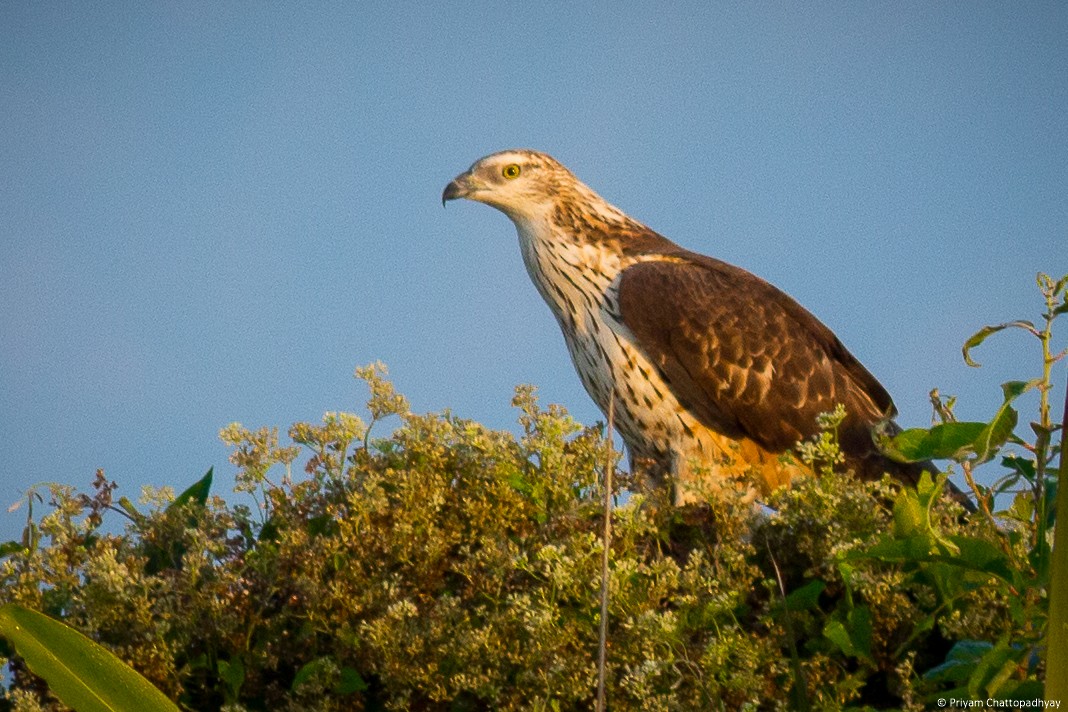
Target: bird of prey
<point x="714" y="375"/>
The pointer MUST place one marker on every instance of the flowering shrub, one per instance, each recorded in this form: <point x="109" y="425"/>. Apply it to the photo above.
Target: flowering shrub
<point x="452" y="567"/>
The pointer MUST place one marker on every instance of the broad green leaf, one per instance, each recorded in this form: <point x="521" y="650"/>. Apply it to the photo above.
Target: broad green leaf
<point x="1011" y="390"/>
<point x="81" y="673"/>
<point x="980" y="336"/>
<point x="963" y="553"/>
<point x="321" y="525"/>
<point x="806" y="597"/>
<point x="982" y="555"/>
<point x="891" y="550"/>
<point x="1020" y="465"/>
<point x="307" y="672"/>
<point x="854" y="636"/>
<point x="958" y="439"/>
<point x="915" y="548"/>
<point x="860" y="630"/>
<point x="993" y="669"/>
<point x="232" y="672"/>
<point x="169" y="555"/>
<point x="351" y="682"/>
<point x="269" y="532"/>
<point x="960" y="661"/>
<point x="520" y="484"/>
<point x="1022" y="508"/>
<point x="836" y="632"/>
<point x="1021" y="691"/>
<point x="196" y="492"/>
<point x="909" y="515"/>
<point x="946" y="440"/>
<point x="1000" y="428"/>
<point x="928" y="489"/>
<point x="995" y="434"/>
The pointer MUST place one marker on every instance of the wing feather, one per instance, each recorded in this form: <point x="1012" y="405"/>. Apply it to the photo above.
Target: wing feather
<point x="744" y="356"/>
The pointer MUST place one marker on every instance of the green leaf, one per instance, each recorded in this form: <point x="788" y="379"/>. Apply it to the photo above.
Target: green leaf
<point x="1011" y="390"/>
<point x="959" y="662"/>
<point x="351" y="682"/>
<point x="947" y="440"/>
<point x="520" y="484"/>
<point x="321" y="525"/>
<point x="10" y="547"/>
<point x="1021" y="692"/>
<point x="806" y="597"/>
<point x="270" y="531"/>
<point x="958" y="439"/>
<point x="307" y="672"/>
<point x="81" y="673"/>
<point x="916" y="548"/>
<point x="995" y="434"/>
<point x="909" y="516"/>
<point x="853" y="637"/>
<point x="963" y="554"/>
<point x="860" y="630"/>
<point x="984" y="556"/>
<point x="232" y="672"/>
<point x="197" y="492"/>
<point x="1052" y="487"/>
<point x="1022" y="466"/>
<point x="31" y="535"/>
<point x="993" y="669"/>
<point x="169" y="554"/>
<point x="999" y="430"/>
<point x="835" y="631"/>
<point x="127" y="506"/>
<point x="980" y="336"/>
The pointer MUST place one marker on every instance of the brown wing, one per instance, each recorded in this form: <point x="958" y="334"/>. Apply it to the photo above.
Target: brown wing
<point x="745" y="357"/>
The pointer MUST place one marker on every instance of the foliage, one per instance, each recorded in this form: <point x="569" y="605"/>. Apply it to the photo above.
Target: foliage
<point x="80" y="672"/>
<point x="448" y="566"/>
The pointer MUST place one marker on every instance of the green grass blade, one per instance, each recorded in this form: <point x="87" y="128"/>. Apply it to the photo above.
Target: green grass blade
<point x="81" y="673"/>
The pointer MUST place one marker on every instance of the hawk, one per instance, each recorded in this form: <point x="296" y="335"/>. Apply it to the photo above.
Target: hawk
<point x="714" y="375"/>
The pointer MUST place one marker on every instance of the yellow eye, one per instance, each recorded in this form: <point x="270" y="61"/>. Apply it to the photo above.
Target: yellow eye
<point x="511" y="171"/>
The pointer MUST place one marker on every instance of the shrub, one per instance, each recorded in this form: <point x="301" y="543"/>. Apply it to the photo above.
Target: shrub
<point x="447" y="566"/>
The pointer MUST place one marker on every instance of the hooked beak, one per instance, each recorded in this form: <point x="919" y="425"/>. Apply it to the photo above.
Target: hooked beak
<point x="460" y="187"/>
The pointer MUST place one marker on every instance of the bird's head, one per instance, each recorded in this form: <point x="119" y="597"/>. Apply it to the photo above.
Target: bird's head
<point x="520" y="183"/>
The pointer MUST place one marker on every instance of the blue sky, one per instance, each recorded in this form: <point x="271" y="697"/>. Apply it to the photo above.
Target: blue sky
<point x="212" y="212"/>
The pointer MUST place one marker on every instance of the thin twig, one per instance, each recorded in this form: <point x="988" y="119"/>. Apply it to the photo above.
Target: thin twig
<point x="981" y="500"/>
<point x="602" y="649"/>
<point x="800" y="691"/>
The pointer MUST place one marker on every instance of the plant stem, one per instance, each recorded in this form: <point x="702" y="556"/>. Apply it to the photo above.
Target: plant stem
<point x="1042" y="435"/>
<point x="602" y="648"/>
<point x="1057" y="632"/>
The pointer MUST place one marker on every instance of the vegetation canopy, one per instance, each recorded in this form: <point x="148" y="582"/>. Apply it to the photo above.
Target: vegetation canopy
<point x="447" y="566"/>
